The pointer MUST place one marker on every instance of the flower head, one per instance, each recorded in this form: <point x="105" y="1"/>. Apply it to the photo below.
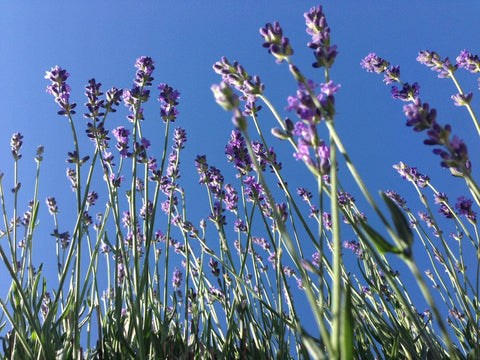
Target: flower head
<point x="433" y="61"/>
<point x="143" y="76"/>
<point x="468" y="61"/>
<point x="60" y="90"/>
<point x="464" y="207"/>
<point x="16" y="144"/>
<point x="277" y="44"/>
<point x="419" y="115"/>
<point x="318" y="28"/>
<point x="168" y="99"/>
<point x="462" y="99"/>
<point x="374" y="63"/>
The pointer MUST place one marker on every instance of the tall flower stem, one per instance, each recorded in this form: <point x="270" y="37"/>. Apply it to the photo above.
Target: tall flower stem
<point x="469" y="107"/>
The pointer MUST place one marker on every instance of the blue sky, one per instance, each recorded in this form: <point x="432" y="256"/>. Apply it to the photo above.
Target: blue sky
<point x="102" y="39"/>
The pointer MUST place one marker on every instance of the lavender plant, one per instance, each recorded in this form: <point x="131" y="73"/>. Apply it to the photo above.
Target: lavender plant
<point x="139" y="277"/>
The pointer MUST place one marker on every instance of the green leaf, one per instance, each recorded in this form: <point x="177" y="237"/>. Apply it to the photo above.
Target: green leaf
<point x="404" y="231"/>
<point x="382" y="245"/>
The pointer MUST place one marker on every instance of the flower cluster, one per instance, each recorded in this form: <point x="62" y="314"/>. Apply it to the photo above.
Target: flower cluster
<point x="412" y="174"/>
<point x="168" y="100"/>
<point x="121" y="134"/>
<point x="355" y="247"/>
<point x="16" y="144"/>
<point x="454" y="153"/>
<point x="95" y="129"/>
<point x="237" y="153"/>
<point x="60" y="90"/>
<point x="310" y="116"/>
<point x="445" y="68"/>
<point x="236" y="76"/>
<point x="138" y="94"/>
<point x="318" y="28"/>
<point x="277" y="44"/>
<point x="464" y="208"/>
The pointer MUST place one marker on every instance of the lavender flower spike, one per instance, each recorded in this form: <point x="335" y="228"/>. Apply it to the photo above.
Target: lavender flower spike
<point x="468" y="61"/>
<point x="433" y="61"/>
<point x="168" y="98"/>
<point x="374" y="63"/>
<point x="60" y="90"/>
<point x="462" y="99"/>
<point x="277" y="44"/>
<point x="318" y="28"/>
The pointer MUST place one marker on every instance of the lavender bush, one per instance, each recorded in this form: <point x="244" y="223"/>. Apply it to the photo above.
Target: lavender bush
<point x="138" y="278"/>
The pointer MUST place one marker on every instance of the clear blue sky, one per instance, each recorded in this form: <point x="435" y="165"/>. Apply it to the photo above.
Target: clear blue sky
<point x="102" y="39"/>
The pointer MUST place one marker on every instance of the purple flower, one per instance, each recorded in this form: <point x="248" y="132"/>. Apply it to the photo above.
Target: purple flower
<point x="132" y="98"/>
<point x="143" y="76"/>
<point x="52" y="205"/>
<point x="400" y="201"/>
<point x="412" y="174"/>
<point x="114" y="97"/>
<point x="16" y="144"/>
<point x="456" y="314"/>
<point x="231" y="198"/>
<point x="319" y="30"/>
<point x="462" y="99"/>
<point x="236" y="76"/>
<point x="432" y="60"/>
<point x="419" y="115"/>
<point x="121" y="134"/>
<point x="316" y="259"/>
<point x="317" y="26"/>
<point x="468" y="61"/>
<point x="392" y="74"/>
<point x="427" y="219"/>
<point x="277" y="44"/>
<point x="239" y="226"/>
<point x="60" y="90"/>
<point x="288" y="271"/>
<point x="254" y="190"/>
<point x="64" y="238"/>
<point x="456" y="158"/>
<point x="179" y="137"/>
<point x="120" y="276"/>
<point x="304" y="194"/>
<point x="116" y="181"/>
<point x="354" y="246"/>
<point x="374" y="63"/>
<point x="407" y="93"/>
<point x="217" y="215"/>
<point x="46" y="302"/>
<point x="177" y="278"/>
<point x="441" y="198"/>
<point x="304" y="106"/>
<point x="464" y="207"/>
<point x="264" y="244"/>
<point x="146" y="207"/>
<point x="327" y="220"/>
<point x="168" y="100"/>
<point x="345" y="199"/>
<point x="329" y="88"/>
<point x="94" y="104"/>
<point x="236" y="151"/>
<point x="213" y="264"/>
<point x="72" y="176"/>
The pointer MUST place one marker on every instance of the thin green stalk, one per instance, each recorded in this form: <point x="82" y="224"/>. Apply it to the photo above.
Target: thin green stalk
<point x="337" y="250"/>
<point x="468" y="106"/>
